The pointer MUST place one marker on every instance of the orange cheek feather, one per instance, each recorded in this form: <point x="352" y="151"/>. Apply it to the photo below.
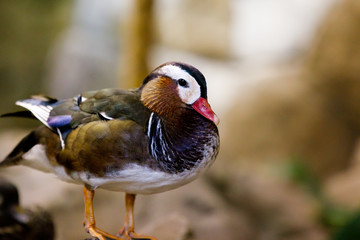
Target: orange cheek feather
<point x="160" y="96"/>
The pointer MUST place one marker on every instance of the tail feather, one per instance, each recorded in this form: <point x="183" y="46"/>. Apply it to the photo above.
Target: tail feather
<point x="16" y="155"/>
<point x="38" y="106"/>
<point x="22" y="114"/>
<point x="40" y="109"/>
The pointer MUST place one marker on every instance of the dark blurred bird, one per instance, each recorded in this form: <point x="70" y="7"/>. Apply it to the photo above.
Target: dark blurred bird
<point x="141" y="141"/>
<point x="17" y="223"/>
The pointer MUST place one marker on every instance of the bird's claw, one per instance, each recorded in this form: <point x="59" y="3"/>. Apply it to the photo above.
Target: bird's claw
<point x="143" y="238"/>
<point x="133" y="236"/>
<point x="95" y="238"/>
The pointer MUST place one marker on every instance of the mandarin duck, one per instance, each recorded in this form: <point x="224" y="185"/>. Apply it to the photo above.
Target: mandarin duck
<point x="17" y="223"/>
<point x="155" y="138"/>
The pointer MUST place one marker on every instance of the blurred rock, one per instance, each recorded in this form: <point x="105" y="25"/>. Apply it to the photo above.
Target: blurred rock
<point x="334" y="63"/>
<point x="171" y="227"/>
<point x="275" y="208"/>
<point x="200" y="27"/>
<point x="207" y="214"/>
<point x="344" y="188"/>
<point x="274" y="30"/>
<point x="312" y="113"/>
<point x="284" y="119"/>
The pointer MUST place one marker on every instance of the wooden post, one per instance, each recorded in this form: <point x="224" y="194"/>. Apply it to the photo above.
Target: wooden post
<point x="138" y="36"/>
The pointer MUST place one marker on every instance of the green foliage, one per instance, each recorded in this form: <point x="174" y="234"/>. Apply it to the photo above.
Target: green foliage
<point x="333" y="216"/>
<point x="350" y="231"/>
<point x="339" y="220"/>
<point x="298" y="172"/>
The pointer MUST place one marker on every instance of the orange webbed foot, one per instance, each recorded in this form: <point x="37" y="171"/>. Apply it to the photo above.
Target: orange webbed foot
<point x="131" y="235"/>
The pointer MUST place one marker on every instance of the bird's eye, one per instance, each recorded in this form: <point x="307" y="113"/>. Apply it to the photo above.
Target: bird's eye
<point x="183" y="82"/>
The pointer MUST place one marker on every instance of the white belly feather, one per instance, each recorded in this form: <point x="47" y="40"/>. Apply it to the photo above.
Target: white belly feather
<point x="133" y="179"/>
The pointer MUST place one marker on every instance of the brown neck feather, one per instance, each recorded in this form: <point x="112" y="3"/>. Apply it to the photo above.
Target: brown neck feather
<point x="160" y="96"/>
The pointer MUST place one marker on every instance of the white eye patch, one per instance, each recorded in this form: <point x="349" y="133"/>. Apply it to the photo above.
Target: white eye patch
<point x="189" y="93"/>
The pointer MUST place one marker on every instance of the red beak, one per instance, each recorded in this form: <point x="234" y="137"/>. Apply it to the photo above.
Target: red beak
<point x="203" y="107"/>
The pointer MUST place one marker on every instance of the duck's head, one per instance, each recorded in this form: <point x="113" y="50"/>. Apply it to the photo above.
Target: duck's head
<point x="174" y="86"/>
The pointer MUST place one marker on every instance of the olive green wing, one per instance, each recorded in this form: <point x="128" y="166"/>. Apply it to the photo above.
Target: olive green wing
<point x="109" y="104"/>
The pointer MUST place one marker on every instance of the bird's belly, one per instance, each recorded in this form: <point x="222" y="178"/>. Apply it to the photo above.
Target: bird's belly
<point x="133" y="178"/>
<point x="140" y="180"/>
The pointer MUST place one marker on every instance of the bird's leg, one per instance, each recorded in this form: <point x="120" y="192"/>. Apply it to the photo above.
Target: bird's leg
<point x="127" y="231"/>
<point x="89" y="222"/>
<point x="129" y="224"/>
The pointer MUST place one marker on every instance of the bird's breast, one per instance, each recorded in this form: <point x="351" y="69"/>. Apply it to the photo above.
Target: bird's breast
<point x="182" y="148"/>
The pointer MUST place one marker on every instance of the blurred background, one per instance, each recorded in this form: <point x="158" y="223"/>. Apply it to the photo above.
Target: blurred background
<point x="283" y="76"/>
